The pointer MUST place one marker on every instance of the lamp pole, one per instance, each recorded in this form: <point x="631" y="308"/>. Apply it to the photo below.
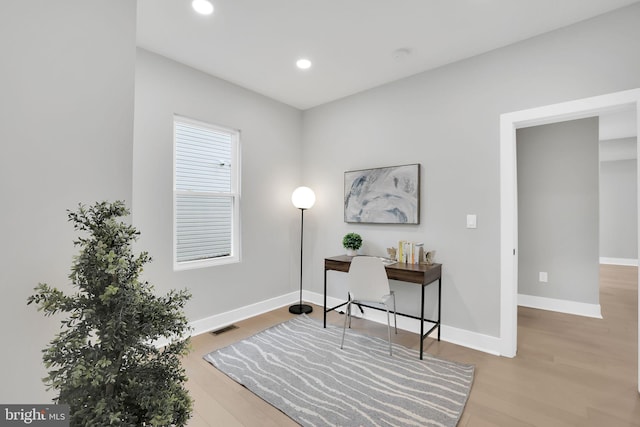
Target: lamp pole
<point x="301" y="308"/>
<point x="302" y="198"/>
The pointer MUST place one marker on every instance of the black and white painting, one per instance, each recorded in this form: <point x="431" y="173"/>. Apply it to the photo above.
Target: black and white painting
<point x="388" y="195"/>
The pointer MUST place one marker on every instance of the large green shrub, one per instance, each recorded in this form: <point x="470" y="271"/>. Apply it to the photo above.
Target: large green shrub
<point x="104" y="363"/>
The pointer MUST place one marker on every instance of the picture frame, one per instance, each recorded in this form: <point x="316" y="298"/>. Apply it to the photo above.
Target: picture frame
<point x="386" y="195"/>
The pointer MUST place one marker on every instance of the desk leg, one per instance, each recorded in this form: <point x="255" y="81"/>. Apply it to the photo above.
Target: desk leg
<point x="422" y="322"/>
<point x="439" y="305"/>
<point x="324" y="308"/>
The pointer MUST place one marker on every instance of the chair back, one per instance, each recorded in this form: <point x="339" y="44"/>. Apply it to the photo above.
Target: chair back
<point x="367" y="279"/>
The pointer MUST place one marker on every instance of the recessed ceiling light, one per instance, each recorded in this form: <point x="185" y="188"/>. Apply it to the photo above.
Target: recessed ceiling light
<point x="401" y="53"/>
<point x="303" y="63"/>
<point x="203" y="7"/>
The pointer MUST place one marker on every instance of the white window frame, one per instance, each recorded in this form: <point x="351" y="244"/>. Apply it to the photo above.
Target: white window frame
<point x="235" y="255"/>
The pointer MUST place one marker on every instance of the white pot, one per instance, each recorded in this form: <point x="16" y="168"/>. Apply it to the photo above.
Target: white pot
<point x="352" y="252"/>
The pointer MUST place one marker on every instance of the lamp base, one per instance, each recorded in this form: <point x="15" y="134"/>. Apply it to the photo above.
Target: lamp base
<point x="300" y="309"/>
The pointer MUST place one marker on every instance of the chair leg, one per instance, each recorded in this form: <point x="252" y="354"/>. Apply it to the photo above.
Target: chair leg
<point x="344" y="327"/>
<point x="395" y="319"/>
<point x="388" y="329"/>
<point x="349" y="310"/>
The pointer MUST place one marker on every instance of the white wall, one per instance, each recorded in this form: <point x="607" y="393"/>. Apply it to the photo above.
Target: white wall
<point x="618" y="187"/>
<point x="448" y="120"/>
<point x="558" y="210"/>
<point x="271" y="152"/>
<point x="67" y="113"/>
<point x="66" y="127"/>
<point x="618" y="209"/>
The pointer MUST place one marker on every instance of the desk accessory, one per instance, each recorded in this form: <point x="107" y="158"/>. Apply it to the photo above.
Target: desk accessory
<point x="352" y="242"/>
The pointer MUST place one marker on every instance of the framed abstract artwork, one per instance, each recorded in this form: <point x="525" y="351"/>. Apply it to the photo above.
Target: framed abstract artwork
<point x="389" y="195"/>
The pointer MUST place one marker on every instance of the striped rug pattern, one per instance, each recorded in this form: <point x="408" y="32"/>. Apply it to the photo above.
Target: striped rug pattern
<point x="298" y="367"/>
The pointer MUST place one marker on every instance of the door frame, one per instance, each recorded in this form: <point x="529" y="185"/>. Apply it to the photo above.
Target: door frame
<point x="509" y="122"/>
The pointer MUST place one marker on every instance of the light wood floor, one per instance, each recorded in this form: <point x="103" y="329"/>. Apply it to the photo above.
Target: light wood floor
<point x="569" y="371"/>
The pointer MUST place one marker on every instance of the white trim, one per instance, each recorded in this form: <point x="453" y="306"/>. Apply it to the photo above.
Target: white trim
<point x="473" y="340"/>
<point x="560" y="305"/>
<point x="234" y="194"/>
<point x="509" y="122"/>
<point x="508" y="238"/>
<point x="619" y="261"/>
<point x="222" y="320"/>
<point x="638" y="219"/>
<point x="404" y="323"/>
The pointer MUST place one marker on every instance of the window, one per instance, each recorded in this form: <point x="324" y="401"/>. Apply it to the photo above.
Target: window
<point x="206" y="194"/>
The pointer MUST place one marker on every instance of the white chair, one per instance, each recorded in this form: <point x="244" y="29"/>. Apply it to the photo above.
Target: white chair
<point x="368" y="284"/>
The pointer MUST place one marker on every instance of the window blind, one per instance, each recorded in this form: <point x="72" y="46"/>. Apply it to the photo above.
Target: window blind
<point x="204" y="192"/>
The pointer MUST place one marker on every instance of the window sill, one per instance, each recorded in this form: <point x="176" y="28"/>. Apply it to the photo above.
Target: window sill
<point x="212" y="262"/>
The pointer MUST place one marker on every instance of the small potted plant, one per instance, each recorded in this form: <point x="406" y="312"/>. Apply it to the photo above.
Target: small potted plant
<point x="352" y="242"/>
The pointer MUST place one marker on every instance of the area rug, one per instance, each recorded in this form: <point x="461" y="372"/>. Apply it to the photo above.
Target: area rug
<point x="298" y="367"/>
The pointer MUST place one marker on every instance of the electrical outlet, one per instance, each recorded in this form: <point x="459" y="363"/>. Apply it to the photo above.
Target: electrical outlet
<point x="543" y="277"/>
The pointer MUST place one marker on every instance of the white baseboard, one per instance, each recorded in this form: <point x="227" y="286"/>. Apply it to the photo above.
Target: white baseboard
<point x="222" y="320"/>
<point x="474" y="340"/>
<point x="559" y="305"/>
<point x="619" y="261"/>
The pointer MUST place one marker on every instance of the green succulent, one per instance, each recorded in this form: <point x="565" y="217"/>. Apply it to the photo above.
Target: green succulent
<point x="352" y="241"/>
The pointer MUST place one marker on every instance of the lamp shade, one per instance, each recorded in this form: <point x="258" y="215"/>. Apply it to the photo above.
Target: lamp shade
<point x="303" y="198"/>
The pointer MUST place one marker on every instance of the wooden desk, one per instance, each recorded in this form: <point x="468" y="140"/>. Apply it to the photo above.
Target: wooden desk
<point x="420" y="274"/>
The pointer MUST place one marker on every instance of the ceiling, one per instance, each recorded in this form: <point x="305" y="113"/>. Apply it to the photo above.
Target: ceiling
<point x="352" y="43"/>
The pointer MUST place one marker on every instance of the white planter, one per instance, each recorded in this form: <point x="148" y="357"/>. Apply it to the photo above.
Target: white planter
<point x="352" y="252"/>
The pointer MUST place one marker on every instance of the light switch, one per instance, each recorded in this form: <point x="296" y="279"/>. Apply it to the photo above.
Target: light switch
<point x="471" y="221"/>
<point x="543" y="277"/>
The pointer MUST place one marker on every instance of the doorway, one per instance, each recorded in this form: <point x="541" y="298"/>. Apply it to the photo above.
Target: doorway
<point x="558" y="222"/>
<point x="509" y="122"/>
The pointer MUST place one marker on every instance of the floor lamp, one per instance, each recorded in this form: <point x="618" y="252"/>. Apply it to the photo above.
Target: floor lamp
<point x="302" y="198"/>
